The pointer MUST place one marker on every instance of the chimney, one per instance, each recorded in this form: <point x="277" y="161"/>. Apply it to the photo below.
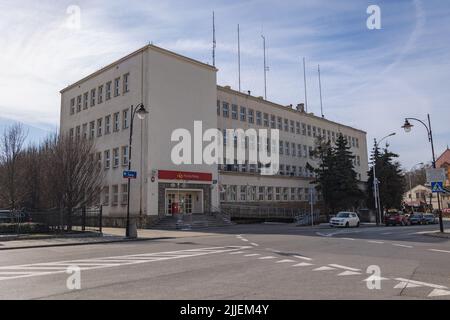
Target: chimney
<point x="227" y="87"/>
<point x="301" y="107"/>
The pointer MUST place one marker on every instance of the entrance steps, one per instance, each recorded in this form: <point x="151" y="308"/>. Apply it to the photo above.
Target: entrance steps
<point x="192" y="222"/>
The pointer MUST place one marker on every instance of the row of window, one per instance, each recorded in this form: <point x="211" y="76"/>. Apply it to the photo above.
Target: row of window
<point x="254" y="193"/>
<point x="113" y="158"/>
<point x="117" y="194"/>
<point x="96" y="95"/>
<point x="264" y="119"/>
<point x="102" y="126"/>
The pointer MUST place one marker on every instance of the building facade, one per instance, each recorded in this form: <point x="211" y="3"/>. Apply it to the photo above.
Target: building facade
<point x="178" y="91"/>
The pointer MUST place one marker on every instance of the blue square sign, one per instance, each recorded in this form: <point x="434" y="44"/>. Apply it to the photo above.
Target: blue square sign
<point x="437" y="187"/>
<point x="130" y="174"/>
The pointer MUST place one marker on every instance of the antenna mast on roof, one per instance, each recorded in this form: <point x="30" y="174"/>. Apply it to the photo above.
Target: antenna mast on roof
<point x="239" y="57"/>
<point x="266" y="68"/>
<point x="214" y="41"/>
<point x="304" y="79"/>
<point x="320" y="92"/>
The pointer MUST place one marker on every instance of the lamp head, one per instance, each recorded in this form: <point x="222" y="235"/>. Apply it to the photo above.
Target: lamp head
<point x="407" y="126"/>
<point x="141" y="112"/>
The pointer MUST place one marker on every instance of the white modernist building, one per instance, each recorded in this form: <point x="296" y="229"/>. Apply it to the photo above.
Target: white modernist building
<point x="177" y="91"/>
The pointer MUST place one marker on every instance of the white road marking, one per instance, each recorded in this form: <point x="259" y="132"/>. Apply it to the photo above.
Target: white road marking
<point x="285" y="260"/>
<point x="437" y="250"/>
<point x="244" y="240"/>
<point x="302" y="264"/>
<point x="304" y="258"/>
<point x="56" y="267"/>
<point x="402" y="245"/>
<point x="419" y="283"/>
<point x="439" y="293"/>
<point x="351" y="239"/>
<point x="377" y="242"/>
<point x="267" y="257"/>
<point x="403" y="285"/>
<point x="324" y="268"/>
<point x="343" y="267"/>
<point x="348" y="273"/>
<point x="237" y="252"/>
<point x="252" y="255"/>
<point x="254" y="244"/>
<point x="386" y="233"/>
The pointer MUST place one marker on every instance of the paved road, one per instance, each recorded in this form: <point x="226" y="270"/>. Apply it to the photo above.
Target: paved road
<point x="241" y="262"/>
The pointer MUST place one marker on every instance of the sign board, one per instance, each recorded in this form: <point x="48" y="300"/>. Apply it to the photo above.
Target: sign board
<point x="130" y="174"/>
<point x="435" y="175"/>
<point x="437" y="187"/>
<point x="181" y="175"/>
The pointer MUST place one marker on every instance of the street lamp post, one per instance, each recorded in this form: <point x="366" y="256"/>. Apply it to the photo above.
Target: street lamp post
<point x="376" y="192"/>
<point x="407" y="126"/>
<point x="141" y="113"/>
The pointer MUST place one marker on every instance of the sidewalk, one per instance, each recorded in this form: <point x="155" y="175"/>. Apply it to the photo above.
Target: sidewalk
<point x="110" y="235"/>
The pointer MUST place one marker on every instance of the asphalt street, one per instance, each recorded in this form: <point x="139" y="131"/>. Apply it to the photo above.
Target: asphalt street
<point x="263" y="261"/>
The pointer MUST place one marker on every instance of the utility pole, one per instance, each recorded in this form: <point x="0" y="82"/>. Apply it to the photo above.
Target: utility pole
<point x="265" y="68"/>
<point x="304" y="80"/>
<point x="239" y="58"/>
<point x="214" y="41"/>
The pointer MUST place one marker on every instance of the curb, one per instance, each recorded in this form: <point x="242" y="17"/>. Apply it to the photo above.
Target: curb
<point x="438" y="235"/>
<point x="83" y="243"/>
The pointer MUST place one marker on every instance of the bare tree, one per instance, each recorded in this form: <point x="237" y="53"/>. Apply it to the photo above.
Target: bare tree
<point x="74" y="178"/>
<point x="11" y="150"/>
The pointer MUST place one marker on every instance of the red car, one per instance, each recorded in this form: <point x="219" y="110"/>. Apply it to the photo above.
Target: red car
<point x="396" y="219"/>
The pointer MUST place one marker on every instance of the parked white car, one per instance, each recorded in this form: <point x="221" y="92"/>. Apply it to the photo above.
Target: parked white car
<point x="345" y="219"/>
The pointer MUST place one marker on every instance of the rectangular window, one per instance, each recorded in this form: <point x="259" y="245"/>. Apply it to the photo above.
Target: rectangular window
<point x="243" y="193"/>
<point x="115" y="195"/>
<point x="294" y="152"/>
<point x="108" y="124"/>
<point x="357" y="142"/>
<point x="124" y="194"/>
<point x="294" y="171"/>
<point x="234" y="111"/>
<point x="286" y="125"/>
<point x="218" y="107"/>
<point x="71" y="133"/>
<point x="281" y="171"/>
<point x="107" y="159"/>
<point x="292" y="127"/>
<point x="258" y="118"/>
<point x="93" y="97"/>
<point x="99" y="127"/>
<point x="309" y="130"/>
<point x="287" y="148"/>
<point x="281" y="147"/>
<point x="269" y="193"/>
<point x="310" y="150"/>
<point x="85" y="100"/>
<point x="99" y="160"/>
<point x="280" y="123"/>
<point x="115" y="157"/>
<point x="72" y="106"/>
<point x="299" y="150"/>
<point x="106" y="196"/>
<point x="314" y="131"/>
<point x="250" y="116"/>
<point x="100" y="95"/>
<point x="303" y="129"/>
<point x="261" y="193"/>
<point x="116" y="87"/>
<point x="266" y="119"/>
<point x="272" y="121"/>
<point x="285" y="194"/>
<point x="108" y="90"/>
<point x="78" y="132"/>
<point x="125" y="119"/>
<point x="299" y="194"/>
<point x="293" y="194"/>
<point x="126" y="87"/>
<point x="84" y="131"/>
<point x="116" y="122"/>
<point x="243" y="114"/>
<point x="277" y="193"/>
<point x="297" y="127"/>
<point x="305" y="151"/>
<point x="125" y="156"/>
<point x="78" y="103"/>
<point x="225" y="109"/>
<point x="92" y="130"/>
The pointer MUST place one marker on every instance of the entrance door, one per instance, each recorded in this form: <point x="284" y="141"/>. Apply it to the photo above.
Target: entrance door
<point x="186" y="202"/>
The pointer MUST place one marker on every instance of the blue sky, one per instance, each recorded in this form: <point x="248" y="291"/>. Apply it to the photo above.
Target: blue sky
<point x="372" y="79"/>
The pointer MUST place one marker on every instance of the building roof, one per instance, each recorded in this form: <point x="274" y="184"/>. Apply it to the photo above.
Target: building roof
<point x="147" y="47"/>
<point x="228" y="89"/>
<point x="444" y="158"/>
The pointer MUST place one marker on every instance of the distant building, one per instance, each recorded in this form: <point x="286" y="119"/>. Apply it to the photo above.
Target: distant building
<point x="421" y="197"/>
<point x="444" y="162"/>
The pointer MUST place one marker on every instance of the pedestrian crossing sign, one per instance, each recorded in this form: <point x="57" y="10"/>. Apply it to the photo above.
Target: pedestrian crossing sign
<point x="437" y="187"/>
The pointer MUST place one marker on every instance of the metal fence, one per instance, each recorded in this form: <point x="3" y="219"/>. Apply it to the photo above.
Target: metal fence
<point x="263" y="212"/>
<point x="51" y="221"/>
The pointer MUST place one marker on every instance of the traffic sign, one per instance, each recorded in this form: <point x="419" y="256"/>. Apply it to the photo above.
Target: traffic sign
<point x="129" y="174"/>
<point x="437" y="187"/>
<point x="435" y="175"/>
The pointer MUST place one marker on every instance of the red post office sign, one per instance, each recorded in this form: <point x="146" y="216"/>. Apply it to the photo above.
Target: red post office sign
<point x="182" y="175"/>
